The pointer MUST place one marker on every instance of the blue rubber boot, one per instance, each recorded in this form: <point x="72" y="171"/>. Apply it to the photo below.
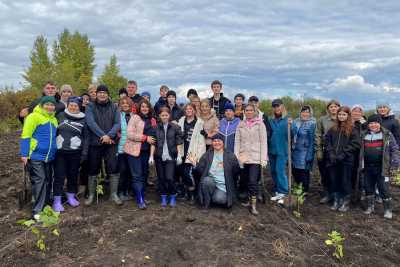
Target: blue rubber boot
<point x="140" y="200"/>
<point x="163" y="201"/>
<point x="172" y="201"/>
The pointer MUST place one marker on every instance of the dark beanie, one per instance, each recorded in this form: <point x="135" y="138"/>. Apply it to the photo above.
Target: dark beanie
<point x="171" y="92"/>
<point x="47" y="99"/>
<point x="74" y="99"/>
<point x="375" y="118"/>
<point x="102" y="88"/>
<point x="218" y="136"/>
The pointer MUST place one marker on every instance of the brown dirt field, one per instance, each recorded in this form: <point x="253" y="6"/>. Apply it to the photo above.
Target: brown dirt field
<point x="106" y="235"/>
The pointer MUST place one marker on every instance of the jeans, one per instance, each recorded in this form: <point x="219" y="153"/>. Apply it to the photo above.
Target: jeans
<point x="166" y="176"/>
<point x="278" y="173"/>
<point x="210" y="192"/>
<point x="373" y="177"/>
<point x="251" y="172"/>
<point x="66" y="165"/>
<point x="41" y="174"/>
<point x="139" y="169"/>
<point x="340" y="179"/>
<point x="303" y="177"/>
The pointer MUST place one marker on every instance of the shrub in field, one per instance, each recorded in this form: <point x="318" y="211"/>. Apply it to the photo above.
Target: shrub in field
<point x="336" y="240"/>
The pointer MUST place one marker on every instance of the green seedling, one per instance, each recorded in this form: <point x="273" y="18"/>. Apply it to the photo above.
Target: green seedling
<point x="298" y="192"/>
<point x="396" y="178"/>
<point x="46" y="224"/>
<point x="336" y="240"/>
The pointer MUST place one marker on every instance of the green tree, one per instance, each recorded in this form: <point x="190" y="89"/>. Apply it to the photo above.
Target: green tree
<point x="112" y="78"/>
<point x="73" y="57"/>
<point x="41" y="69"/>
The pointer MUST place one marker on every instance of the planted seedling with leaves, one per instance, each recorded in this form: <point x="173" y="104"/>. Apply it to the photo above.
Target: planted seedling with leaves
<point x="298" y="192"/>
<point x="336" y="240"/>
<point x="396" y="178"/>
<point x="46" y="224"/>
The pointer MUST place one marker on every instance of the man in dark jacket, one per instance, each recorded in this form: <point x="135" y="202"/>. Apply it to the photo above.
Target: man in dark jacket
<point x="176" y="111"/>
<point x="218" y="101"/>
<point x="219" y="170"/>
<point x="132" y="90"/>
<point x="162" y="101"/>
<point x="103" y="121"/>
<point x="389" y="120"/>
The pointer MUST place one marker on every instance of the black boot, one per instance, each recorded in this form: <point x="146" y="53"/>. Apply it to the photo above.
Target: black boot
<point x="345" y="204"/>
<point x="336" y="202"/>
<point x="387" y="207"/>
<point x="370" y="204"/>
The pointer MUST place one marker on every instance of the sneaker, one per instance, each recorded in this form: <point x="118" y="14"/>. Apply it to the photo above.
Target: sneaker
<point x="277" y="197"/>
<point x="281" y="201"/>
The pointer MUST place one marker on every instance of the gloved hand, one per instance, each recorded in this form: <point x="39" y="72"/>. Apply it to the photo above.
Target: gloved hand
<point x="178" y="160"/>
<point x="264" y="163"/>
<point x="204" y="133"/>
<point x="151" y="160"/>
<point x="320" y="155"/>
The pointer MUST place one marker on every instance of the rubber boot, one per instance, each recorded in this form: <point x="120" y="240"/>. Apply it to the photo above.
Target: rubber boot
<point x="387" y="207"/>
<point x="57" y="205"/>
<point x="345" y="205"/>
<point x="370" y="204"/>
<point x="163" y="201"/>
<point x="336" y="202"/>
<point x="114" y="180"/>
<point x="81" y="190"/>
<point x="253" y="206"/>
<point x="172" y="201"/>
<point x="72" y="201"/>
<point x="92" y="182"/>
<point x="139" y="200"/>
<point x="190" y="197"/>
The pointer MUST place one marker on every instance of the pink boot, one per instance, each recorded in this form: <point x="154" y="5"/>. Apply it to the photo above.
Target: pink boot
<point x="72" y="201"/>
<point x="57" y="205"/>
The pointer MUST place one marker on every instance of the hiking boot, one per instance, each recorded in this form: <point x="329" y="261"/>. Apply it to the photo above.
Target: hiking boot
<point x="370" y="205"/>
<point x="253" y="206"/>
<point x="114" y="180"/>
<point x="57" y="205"/>
<point x="387" y="207"/>
<point x="92" y="182"/>
<point x="345" y="206"/>
<point x="72" y="201"/>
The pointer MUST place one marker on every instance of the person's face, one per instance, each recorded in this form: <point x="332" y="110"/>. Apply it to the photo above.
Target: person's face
<point x="217" y="144"/>
<point x="73" y="108"/>
<point x="144" y="109"/>
<point x="229" y="114"/>
<point x="216" y="88"/>
<point x="92" y="93"/>
<point x="189" y="111"/>
<point x="131" y="89"/>
<point x="305" y="115"/>
<point x="163" y="92"/>
<point x="171" y="100"/>
<point x="49" y="107"/>
<point x="277" y="109"/>
<point x="164" y="116"/>
<point x="205" y="108"/>
<point x="146" y="97"/>
<point x="342" y="116"/>
<point x="85" y="100"/>
<point x="356" y="114"/>
<point x="66" y="94"/>
<point x="102" y="96"/>
<point x="374" y="126"/>
<point x="50" y="90"/>
<point x="383" y="110"/>
<point x="125" y="107"/>
<point x="238" y="101"/>
<point x="333" y="109"/>
<point x="249" y="112"/>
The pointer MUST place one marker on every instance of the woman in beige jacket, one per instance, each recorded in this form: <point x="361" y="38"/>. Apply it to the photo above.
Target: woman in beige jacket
<point x="210" y="121"/>
<point x="251" y="150"/>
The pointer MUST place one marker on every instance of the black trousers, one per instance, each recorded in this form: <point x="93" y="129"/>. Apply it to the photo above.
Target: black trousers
<point x="84" y="173"/>
<point x="66" y="165"/>
<point x="251" y="173"/>
<point x="188" y="176"/>
<point x="125" y="177"/>
<point x="340" y="179"/>
<point x="166" y="176"/>
<point x="41" y="175"/>
<point x="373" y="177"/>
<point x="303" y="177"/>
<point x="325" y="180"/>
<point x="97" y="154"/>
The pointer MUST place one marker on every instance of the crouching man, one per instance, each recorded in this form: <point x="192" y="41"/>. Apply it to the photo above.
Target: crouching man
<point x="219" y="169"/>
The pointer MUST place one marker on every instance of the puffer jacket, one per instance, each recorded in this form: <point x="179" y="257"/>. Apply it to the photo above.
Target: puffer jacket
<point x="38" y="138"/>
<point x="70" y="131"/>
<point x="174" y="139"/>
<point x="251" y="142"/>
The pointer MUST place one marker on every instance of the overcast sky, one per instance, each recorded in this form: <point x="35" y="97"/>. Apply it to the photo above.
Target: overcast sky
<point x="348" y="50"/>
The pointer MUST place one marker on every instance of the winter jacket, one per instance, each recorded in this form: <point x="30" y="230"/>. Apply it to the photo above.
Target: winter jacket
<point x="393" y="125"/>
<point x="391" y="156"/>
<point x="174" y="138"/>
<point x="303" y="143"/>
<point x="70" y="131"/>
<point x="102" y="119"/>
<point x="323" y="125"/>
<point x="210" y="125"/>
<point x="231" y="172"/>
<point x="134" y="135"/>
<point x="278" y="142"/>
<point x="161" y="102"/>
<point x="176" y="113"/>
<point x="228" y="130"/>
<point x="251" y="143"/>
<point x="122" y="133"/>
<point x="341" y="148"/>
<point x="220" y="105"/>
<point x="197" y="146"/>
<point x="264" y="117"/>
<point x="38" y="138"/>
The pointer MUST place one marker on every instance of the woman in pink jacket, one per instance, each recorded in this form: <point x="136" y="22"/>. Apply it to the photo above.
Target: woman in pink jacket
<point x="140" y="137"/>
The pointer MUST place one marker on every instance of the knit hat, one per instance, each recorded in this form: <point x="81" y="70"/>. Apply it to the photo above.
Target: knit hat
<point x="276" y="102"/>
<point x="74" y="99"/>
<point x="102" y="88"/>
<point x="229" y="105"/>
<point x="145" y="93"/>
<point x="357" y="106"/>
<point x="218" y="136"/>
<point x="47" y="99"/>
<point x="375" y="118"/>
<point x="171" y="92"/>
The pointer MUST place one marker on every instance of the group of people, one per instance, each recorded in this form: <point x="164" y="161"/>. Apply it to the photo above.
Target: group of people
<point x="210" y="150"/>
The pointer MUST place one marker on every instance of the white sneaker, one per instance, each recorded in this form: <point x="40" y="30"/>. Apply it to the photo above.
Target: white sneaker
<point x="277" y="197"/>
<point x="281" y="201"/>
<point x="36" y="217"/>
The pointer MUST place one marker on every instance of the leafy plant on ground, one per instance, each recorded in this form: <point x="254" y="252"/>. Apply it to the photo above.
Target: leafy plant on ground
<point x="396" y="178"/>
<point x="336" y="240"/>
<point x="46" y="224"/>
<point x="298" y="191"/>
